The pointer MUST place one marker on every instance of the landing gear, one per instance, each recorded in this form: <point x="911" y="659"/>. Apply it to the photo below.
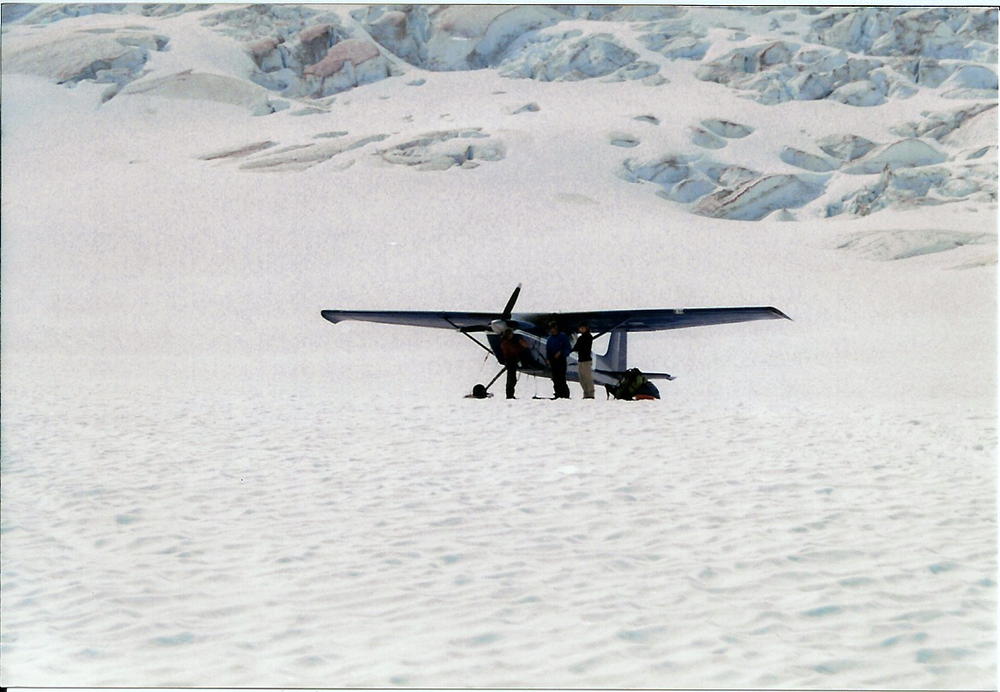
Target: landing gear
<point x="481" y="391"/>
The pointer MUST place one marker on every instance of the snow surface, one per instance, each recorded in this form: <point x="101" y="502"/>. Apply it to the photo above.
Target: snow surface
<point x="206" y="484"/>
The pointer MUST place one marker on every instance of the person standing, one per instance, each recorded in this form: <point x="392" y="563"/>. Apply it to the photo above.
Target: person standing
<point x="584" y="348"/>
<point x="512" y="347"/>
<point x="557" y="348"/>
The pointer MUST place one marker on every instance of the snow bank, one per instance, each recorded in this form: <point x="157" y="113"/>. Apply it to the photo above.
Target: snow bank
<point x="903" y="244"/>
<point x="199" y="86"/>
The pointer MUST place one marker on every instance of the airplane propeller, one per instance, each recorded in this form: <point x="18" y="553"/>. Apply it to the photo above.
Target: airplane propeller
<point x="510" y="303"/>
<point x="504" y="322"/>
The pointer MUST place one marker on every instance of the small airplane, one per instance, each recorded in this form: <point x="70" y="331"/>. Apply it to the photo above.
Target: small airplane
<point x="610" y="369"/>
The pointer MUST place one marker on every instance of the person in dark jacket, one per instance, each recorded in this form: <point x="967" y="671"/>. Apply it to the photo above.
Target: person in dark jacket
<point x="557" y="348"/>
<point x="512" y="347"/>
<point x="584" y="347"/>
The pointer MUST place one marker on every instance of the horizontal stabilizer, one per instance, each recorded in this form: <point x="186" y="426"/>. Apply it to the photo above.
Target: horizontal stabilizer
<point x="647" y="375"/>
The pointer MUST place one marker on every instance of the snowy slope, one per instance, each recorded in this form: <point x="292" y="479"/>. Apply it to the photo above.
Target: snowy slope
<point x="204" y="483"/>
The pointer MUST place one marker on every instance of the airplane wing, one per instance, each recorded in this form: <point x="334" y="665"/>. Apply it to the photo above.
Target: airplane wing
<point x="654" y="320"/>
<point x="600" y="321"/>
<point x="438" y="319"/>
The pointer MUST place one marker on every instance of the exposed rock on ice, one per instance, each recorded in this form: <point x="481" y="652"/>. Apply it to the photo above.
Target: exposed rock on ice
<point x="845" y="147"/>
<point x="352" y="52"/>
<point x="903" y="244"/>
<point x="301" y="156"/>
<point x="651" y="119"/>
<point x="347" y="64"/>
<point x="300" y="51"/>
<point x="239" y="152"/>
<point x="436" y="151"/>
<point x="902" y="154"/>
<point x="755" y="200"/>
<point x="725" y="128"/>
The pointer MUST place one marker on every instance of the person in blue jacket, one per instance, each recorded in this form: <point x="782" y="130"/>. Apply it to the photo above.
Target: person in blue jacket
<point x="557" y="349"/>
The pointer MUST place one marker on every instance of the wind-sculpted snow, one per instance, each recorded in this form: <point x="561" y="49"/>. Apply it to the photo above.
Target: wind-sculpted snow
<point x="903" y="244"/>
<point x="199" y="86"/>
<point x="249" y="540"/>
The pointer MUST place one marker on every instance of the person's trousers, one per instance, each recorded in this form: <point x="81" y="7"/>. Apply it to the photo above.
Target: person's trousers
<point x="511" y="378"/>
<point x="559" y="386"/>
<point x="586" y="370"/>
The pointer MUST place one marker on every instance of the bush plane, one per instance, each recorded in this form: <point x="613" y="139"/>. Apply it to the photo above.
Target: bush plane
<point x="610" y="369"/>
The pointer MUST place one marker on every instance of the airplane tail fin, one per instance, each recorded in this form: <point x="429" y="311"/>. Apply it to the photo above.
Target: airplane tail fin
<point x="617" y="356"/>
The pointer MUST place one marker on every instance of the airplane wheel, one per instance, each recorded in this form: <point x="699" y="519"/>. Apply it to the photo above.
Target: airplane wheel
<point x="479" y="391"/>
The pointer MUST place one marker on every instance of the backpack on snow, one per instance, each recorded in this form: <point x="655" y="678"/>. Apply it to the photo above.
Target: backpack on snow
<point x="630" y="383"/>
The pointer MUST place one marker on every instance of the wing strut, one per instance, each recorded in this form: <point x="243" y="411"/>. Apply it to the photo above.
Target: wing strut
<point x="471" y="338"/>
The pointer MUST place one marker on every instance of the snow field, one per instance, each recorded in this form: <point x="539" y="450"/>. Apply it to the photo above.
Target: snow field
<point x="293" y="539"/>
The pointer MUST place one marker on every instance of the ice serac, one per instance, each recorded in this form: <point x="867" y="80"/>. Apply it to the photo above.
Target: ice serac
<point x="845" y="147"/>
<point x="942" y="32"/>
<point x="113" y="57"/>
<point x="755" y="200"/>
<point x="807" y="161"/>
<point x="902" y="154"/>
<point x="569" y="56"/>
<point x="452" y="37"/>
